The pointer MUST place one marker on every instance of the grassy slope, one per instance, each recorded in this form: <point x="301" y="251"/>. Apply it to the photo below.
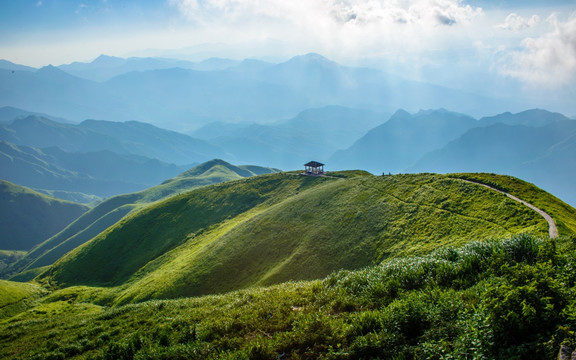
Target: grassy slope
<point x="559" y="210"/>
<point x="280" y="227"/>
<point x="114" y="209"/>
<point x="27" y="217"/>
<point x="17" y="297"/>
<point x="8" y="257"/>
<point x="510" y="299"/>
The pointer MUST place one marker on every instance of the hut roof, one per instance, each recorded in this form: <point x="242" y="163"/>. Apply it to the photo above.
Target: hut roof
<point x="314" y="164"/>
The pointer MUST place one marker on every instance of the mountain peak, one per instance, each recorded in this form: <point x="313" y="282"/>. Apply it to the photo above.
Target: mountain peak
<point x="532" y="117"/>
<point x="312" y="58"/>
<point x="51" y="70"/>
<point x="201" y="169"/>
<point x="8" y="65"/>
<point x="105" y="60"/>
<point x="401" y="113"/>
<point x="433" y="111"/>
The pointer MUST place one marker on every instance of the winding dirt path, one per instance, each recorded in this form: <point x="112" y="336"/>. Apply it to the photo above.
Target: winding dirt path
<point x="552" y="229"/>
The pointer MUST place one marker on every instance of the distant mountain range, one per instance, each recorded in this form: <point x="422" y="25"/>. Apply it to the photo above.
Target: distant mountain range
<point x="105" y="67"/>
<point x="128" y="156"/>
<point x="314" y="133"/>
<point x="543" y="155"/>
<point x="534" y="145"/>
<point x="102" y="173"/>
<point x="183" y="96"/>
<point x="8" y="114"/>
<point x="277" y="115"/>
<point x="402" y="140"/>
<point x="8" y="65"/>
<point x="130" y="137"/>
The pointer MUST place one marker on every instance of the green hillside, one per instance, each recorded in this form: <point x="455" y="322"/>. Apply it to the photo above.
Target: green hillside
<point x="274" y="228"/>
<point x="17" y="297"/>
<point x="382" y="279"/>
<point x="562" y="212"/>
<point x="8" y="257"/>
<point x="504" y="299"/>
<point x="110" y="211"/>
<point x="27" y="217"/>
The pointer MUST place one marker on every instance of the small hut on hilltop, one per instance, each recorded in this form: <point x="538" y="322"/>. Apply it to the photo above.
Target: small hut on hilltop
<point x="314" y="168"/>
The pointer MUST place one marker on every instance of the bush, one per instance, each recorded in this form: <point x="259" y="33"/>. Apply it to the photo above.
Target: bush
<point x="523" y="309"/>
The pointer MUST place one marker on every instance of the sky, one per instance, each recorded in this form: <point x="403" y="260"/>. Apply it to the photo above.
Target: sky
<point x="508" y="46"/>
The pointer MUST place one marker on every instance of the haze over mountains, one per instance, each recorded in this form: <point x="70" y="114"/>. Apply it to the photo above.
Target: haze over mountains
<point x="269" y="114"/>
<point x="181" y="95"/>
<point x="105" y="158"/>
<point x="102" y="173"/>
<point x="216" y="227"/>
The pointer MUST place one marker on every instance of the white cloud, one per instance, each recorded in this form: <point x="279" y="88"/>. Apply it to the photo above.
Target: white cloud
<point x="336" y="28"/>
<point x="516" y="22"/>
<point x="436" y="12"/>
<point x="548" y="60"/>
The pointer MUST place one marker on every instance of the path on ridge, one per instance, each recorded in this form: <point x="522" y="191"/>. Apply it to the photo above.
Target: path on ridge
<point x="552" y="229"/>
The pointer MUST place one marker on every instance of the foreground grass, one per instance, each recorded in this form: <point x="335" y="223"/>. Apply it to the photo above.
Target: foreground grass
<point x="509" y="299"/>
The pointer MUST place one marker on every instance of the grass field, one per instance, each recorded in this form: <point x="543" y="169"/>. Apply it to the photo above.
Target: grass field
<point x="283" y="227"/>
<point x="111" y="210"/>
<point x="498" y="299"/>
<point x="281" y="266"/>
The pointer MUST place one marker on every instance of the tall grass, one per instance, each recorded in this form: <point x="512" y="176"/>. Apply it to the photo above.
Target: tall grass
<point x="496" y="299"/>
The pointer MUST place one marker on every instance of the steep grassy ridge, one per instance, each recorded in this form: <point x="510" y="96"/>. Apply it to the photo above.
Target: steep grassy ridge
<point x="280" y="227"/>
<point x="27" y="217"/>
<point x="113" y="209"/>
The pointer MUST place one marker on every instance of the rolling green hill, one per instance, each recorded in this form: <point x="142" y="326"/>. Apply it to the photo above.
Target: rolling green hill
<point x="8" y="257"/>
<point x="27" y="217"/>
<point x="496" y="294"/>
<point x="110" y="211"/>
<point x="275" y="228"/>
